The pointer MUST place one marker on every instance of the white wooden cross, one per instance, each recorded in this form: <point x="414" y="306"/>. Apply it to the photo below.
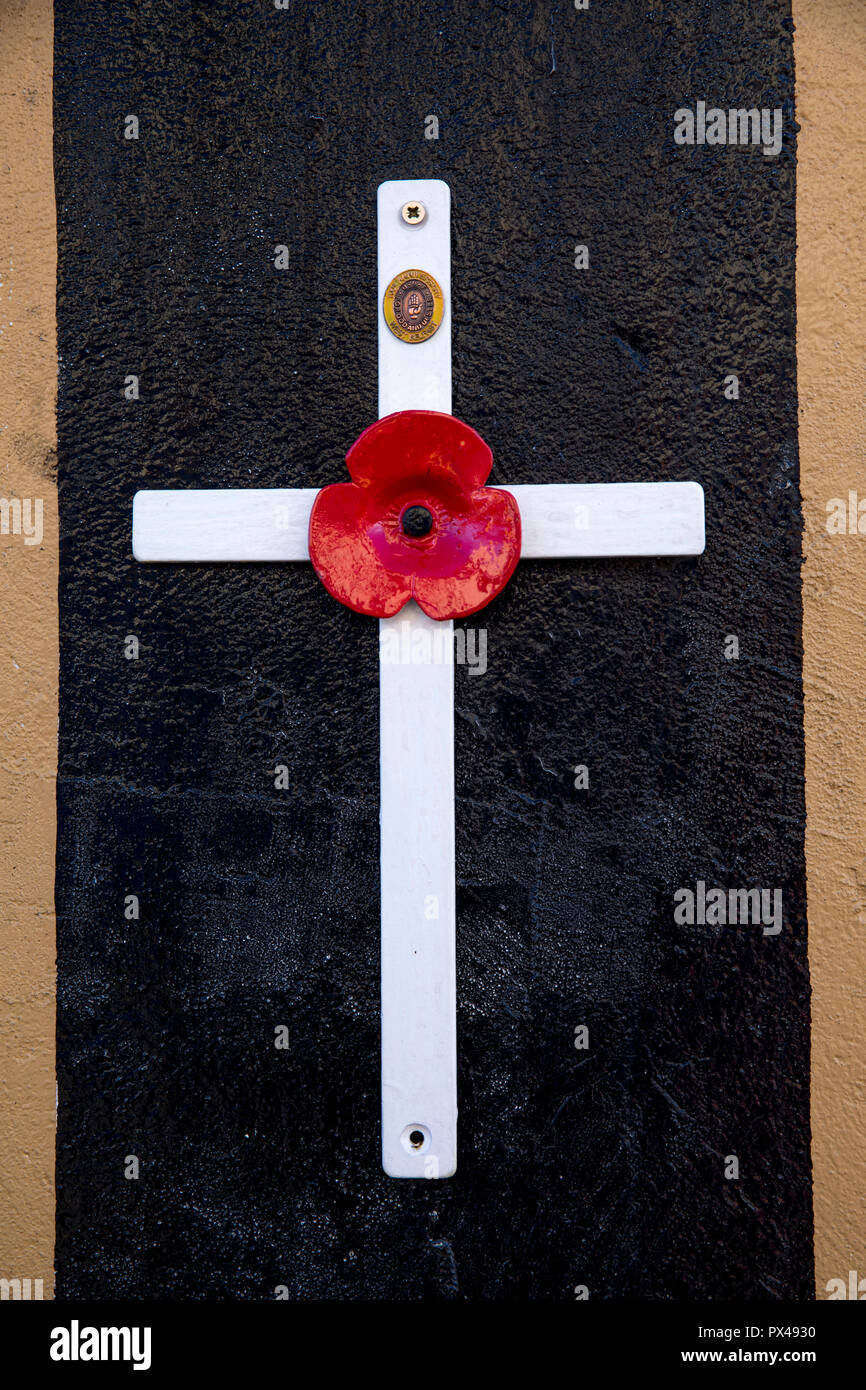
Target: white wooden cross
<point x="416" y="698"/>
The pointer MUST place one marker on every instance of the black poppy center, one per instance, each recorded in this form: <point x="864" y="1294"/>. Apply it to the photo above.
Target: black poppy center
<point x="417" y="522"/>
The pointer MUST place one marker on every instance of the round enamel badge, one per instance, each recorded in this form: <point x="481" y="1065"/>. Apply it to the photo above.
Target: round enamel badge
<point x="413" y="305"/>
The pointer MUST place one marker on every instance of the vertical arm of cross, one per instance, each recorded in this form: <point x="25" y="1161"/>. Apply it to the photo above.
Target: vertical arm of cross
<point x="416" y="714"/>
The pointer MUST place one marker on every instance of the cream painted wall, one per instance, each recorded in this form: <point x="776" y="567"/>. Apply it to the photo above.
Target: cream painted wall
<point x="831" y="349"/>
<point x="28" y="644"/>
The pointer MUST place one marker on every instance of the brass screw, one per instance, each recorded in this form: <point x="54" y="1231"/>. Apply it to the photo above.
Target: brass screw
<point x="413" y="214"/>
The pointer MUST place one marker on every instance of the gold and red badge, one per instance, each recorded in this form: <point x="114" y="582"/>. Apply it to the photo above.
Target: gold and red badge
<point x="414" y="305"/>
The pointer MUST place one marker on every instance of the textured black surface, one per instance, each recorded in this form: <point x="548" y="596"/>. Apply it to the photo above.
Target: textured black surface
<point x="260" y="907"/>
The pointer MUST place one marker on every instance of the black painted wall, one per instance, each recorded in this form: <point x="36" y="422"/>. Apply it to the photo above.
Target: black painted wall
<point x="259" y="1167"/>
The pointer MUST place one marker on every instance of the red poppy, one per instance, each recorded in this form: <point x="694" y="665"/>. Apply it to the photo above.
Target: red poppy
<point x="416" y="521"/>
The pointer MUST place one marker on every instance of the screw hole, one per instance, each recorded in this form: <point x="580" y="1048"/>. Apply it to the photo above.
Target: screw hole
<point x="416" y="1139"/>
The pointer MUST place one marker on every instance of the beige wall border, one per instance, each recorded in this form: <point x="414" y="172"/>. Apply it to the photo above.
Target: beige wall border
<point x="28" y="643"/>
<point x="830" y="52"/>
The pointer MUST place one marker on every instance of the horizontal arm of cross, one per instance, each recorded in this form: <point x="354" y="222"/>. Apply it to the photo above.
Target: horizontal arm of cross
<point x="559" y="521"/>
